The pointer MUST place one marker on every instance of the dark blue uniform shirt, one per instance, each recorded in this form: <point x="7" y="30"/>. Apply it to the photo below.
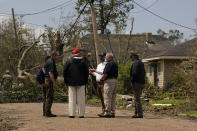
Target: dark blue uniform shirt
<point x="50" y="66"/>
<point x="111" y="69"/>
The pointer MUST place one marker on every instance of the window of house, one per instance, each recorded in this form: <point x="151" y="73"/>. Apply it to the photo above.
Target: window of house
<point x="150" y="70"/>
<point x="159" y="68"/>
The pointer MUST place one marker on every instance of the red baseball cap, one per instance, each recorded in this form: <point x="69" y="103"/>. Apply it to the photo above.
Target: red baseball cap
<point x="75" y="51"/>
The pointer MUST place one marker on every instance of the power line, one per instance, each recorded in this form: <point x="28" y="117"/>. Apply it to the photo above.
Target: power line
<point x="147" y="7"/>
<point x="169" y="21"/>
<point x="49" y="9"/>
<point x="35" y="24"/>
<point x="65" y="32"/>
<point x="43" y="11"/>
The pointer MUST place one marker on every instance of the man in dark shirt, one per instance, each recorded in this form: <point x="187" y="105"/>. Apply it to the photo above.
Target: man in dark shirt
<point x="51" y="75"/>
<point x="137" y="74"/>
<point x="40" y="77"/>
<point x="109" y="77"/>
<point x="76" y="77"/>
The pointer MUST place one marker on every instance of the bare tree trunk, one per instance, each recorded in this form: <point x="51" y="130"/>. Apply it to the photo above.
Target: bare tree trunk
<point x="128" y="43"/>
<point x="95" y="32"/>
<point x="22" y="74"/>
<point x="15" y="32"/>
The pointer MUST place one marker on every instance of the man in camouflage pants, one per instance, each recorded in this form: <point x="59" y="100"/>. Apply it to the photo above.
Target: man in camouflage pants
<point x="50" y="77"/>
<point x="109" y="78"/>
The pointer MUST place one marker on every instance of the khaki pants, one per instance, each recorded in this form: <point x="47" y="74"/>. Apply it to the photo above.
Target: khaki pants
<point x="49" y="96"/>
<point x="110" y="96"/>
<point x="137" y="88"/>
<point x="76" y="96"/>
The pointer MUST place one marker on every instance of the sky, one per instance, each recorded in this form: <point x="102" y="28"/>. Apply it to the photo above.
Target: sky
<point x="179" y="11"/>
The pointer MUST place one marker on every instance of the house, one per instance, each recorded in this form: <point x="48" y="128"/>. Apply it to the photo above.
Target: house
<point x="121" y="44"/>
<point x="161" y="65"/>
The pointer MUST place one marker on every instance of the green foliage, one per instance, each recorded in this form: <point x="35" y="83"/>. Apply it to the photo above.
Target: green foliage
<point x="167" y="101"/>
<point x="124" y="84"/>
<point x="9" y="48"/>
<point x="59" y="68"/>
<point x="173" y="35"/>
<point x="193" y="112"/>
<point x="32" y="92"/>
<point x="61" y="93"/>
<point x="152" y="91"/>
<point x="107" y="12"/>
<point x="187" y="106"/>
<point x="94" y="101"/>
<point x="28" y="93"/>
<point x="183" y="85"/>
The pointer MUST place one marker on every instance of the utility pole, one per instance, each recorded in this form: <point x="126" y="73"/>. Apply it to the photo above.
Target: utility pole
<point x="96" y="48"/>
<point x="15" y="31"/>
<point x="94" y="31"/>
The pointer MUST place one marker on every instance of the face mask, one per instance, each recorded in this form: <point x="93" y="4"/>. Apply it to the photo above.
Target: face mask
<point x="102" y="59"/>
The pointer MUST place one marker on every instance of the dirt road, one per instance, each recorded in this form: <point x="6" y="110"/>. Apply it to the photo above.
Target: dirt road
<point x="28" y="117"/>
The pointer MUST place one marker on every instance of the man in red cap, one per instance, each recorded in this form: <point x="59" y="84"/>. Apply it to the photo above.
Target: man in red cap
<point x="76" y="77"/>
<point x="75" y="52"/>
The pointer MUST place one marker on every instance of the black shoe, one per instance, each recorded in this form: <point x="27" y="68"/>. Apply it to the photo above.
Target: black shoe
<point x="71" y="116"/>
<point x="105" y="116"/>
<point x="136" y="116"/>
<point x="81" y="116"/>
<point x="100" y="114"/>
<point x="112" y="115"/>
<point x="50" y="115"/>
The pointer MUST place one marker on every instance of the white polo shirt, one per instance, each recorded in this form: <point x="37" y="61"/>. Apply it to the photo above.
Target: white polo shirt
<point x="99" y="71"/>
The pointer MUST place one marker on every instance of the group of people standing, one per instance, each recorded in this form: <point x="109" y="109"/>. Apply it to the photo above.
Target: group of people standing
<point x="76" y="72"/>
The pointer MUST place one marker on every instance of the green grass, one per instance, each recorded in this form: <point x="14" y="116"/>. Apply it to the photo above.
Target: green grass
<point x="170" y="101"/>
<point x="94" y="101"/>
<point x="191" y="112"/>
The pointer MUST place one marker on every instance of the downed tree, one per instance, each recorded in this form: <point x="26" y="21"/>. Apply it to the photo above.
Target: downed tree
<point x="22" y="73"/>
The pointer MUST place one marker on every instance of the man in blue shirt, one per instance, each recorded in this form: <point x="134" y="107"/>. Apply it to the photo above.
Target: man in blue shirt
<point x="51" y="75"/>
<point x="110" y="75"/>
<point x="40" y="77"/>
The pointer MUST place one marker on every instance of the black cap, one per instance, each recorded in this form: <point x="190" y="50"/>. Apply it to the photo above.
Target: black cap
<point x="102" y="54"/>
<point x="133" y="53"/>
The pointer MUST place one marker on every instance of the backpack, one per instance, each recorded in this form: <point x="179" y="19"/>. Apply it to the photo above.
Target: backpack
<point x="40" y="76"/>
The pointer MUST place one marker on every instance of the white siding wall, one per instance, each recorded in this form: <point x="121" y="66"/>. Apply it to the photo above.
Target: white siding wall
<point x="149" y="74"/>
<point x="160" y="73"/>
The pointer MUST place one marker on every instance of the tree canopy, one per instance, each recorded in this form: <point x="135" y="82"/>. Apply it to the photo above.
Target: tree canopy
<point x="108" y="13"/>
<point x="173" y="35"/>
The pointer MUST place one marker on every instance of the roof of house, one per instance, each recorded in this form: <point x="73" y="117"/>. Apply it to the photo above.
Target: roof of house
<point x="180" y="50"/>
<point x="119" y="43"/>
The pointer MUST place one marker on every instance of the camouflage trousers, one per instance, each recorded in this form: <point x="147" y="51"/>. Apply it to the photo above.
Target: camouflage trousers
<point x="137" y="88"/>
<point x="44" y="99"/>
<point x="49" y="96"/>
<point x="110" y="96"/>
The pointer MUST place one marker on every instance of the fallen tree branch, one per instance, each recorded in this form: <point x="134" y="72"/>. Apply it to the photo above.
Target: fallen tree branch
<point x="22" y="74"/>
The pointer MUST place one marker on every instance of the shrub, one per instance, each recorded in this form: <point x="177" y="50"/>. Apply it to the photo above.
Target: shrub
<point x="152" y="91"/>
<point x="32" y="92"/>
<point x="124" y="82"/>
